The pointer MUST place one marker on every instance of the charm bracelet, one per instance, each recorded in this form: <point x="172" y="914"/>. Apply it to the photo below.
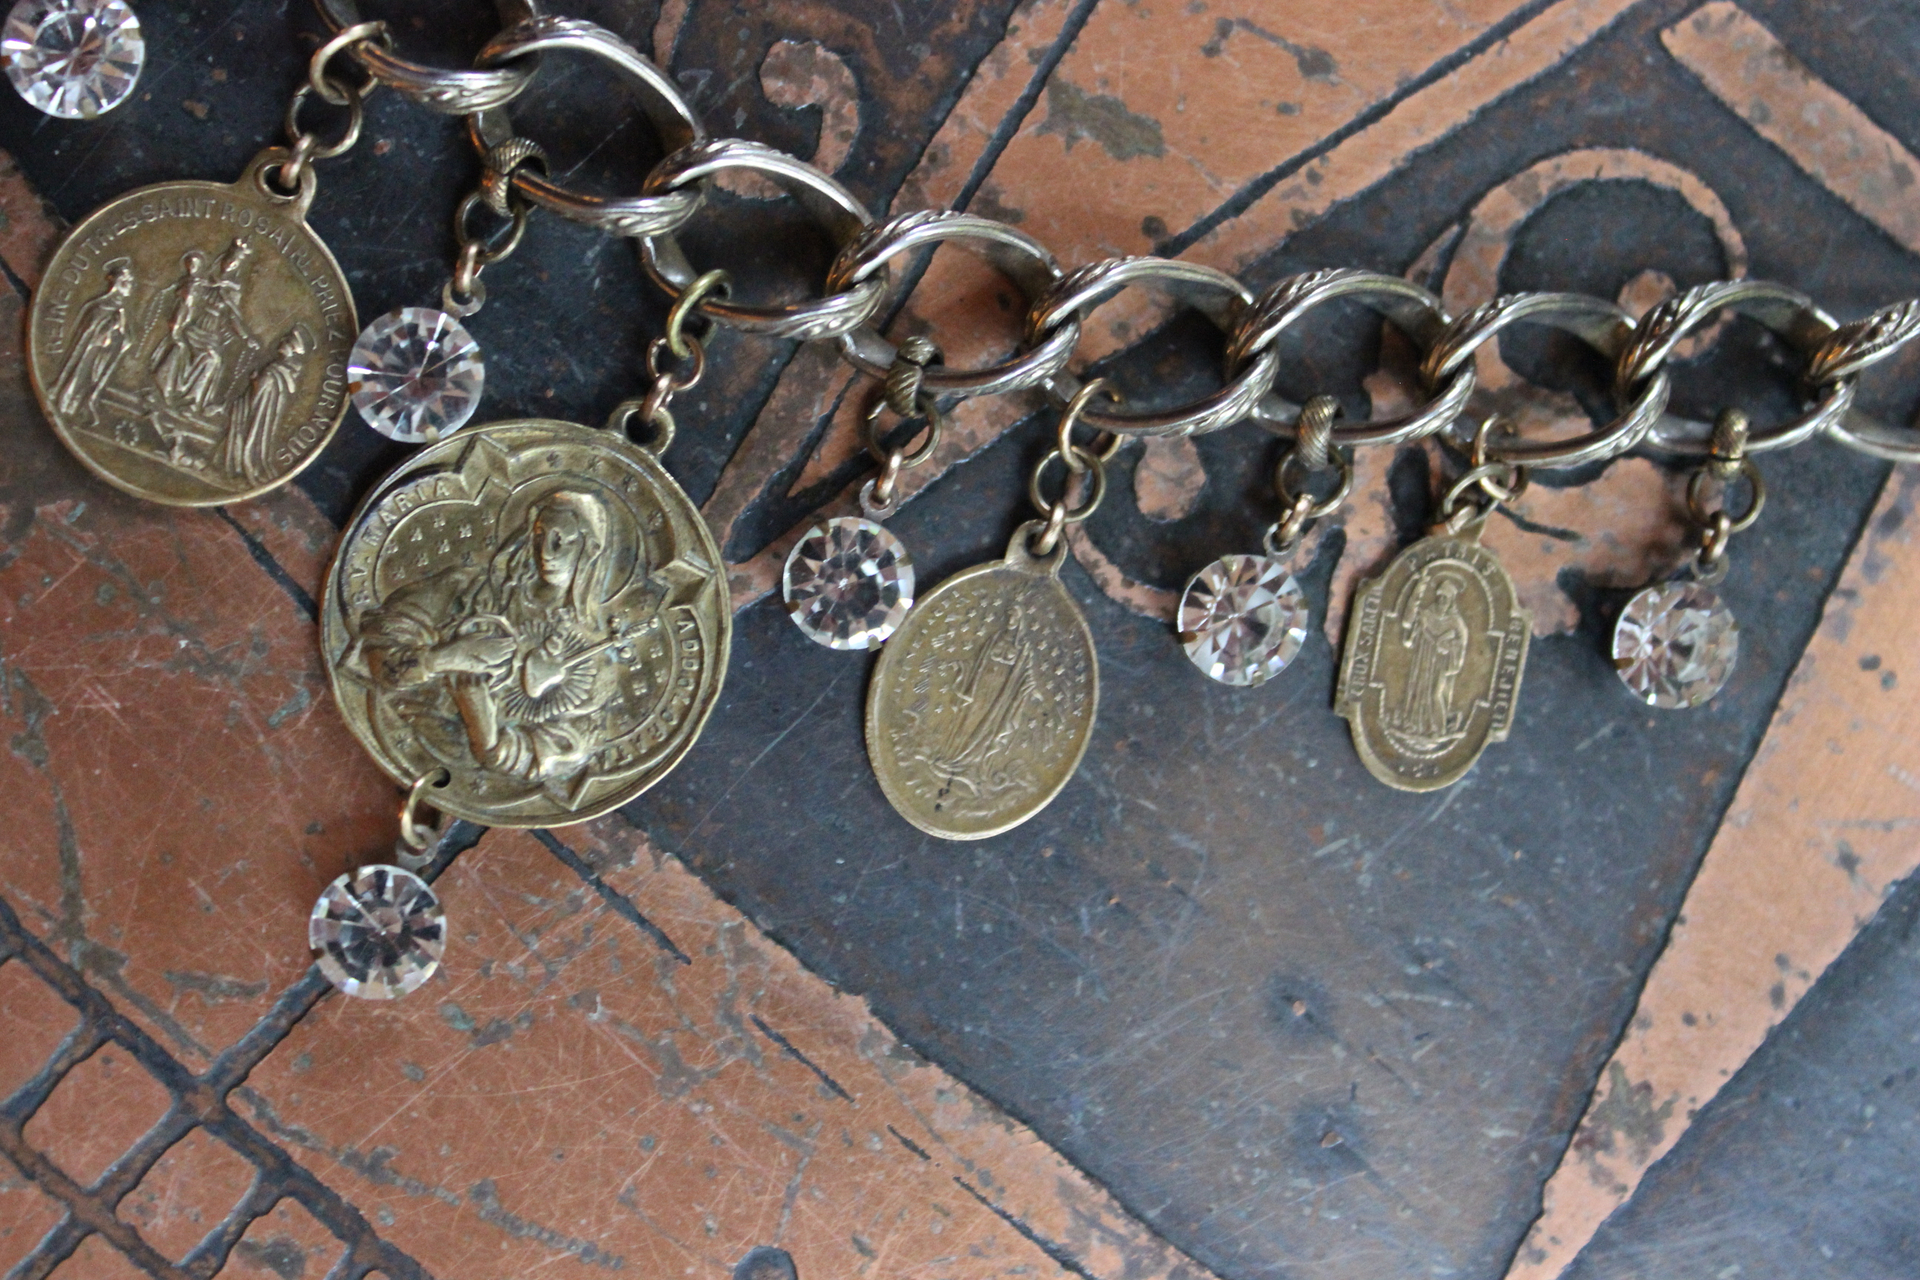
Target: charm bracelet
<point x="528" y="622"/>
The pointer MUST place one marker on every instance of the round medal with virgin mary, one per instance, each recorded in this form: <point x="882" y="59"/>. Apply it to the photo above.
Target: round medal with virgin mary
<point x="536" y="609"/>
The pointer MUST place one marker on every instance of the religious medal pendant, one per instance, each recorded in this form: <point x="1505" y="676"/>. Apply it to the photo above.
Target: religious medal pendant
<point x="981" y="706"/>
<point x="1243" y="618"/>
<point x="983" y="703"/>
<point x="189" y="340"/>
<point x="1435" y="648"/>
<point x="535" y="608"/>
<point x="849" y="582"/>
<point x="1676" y="643"/>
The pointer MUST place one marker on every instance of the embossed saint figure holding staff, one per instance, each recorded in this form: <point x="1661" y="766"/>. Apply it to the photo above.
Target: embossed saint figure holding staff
<point x="100" y="342"/>
<point x="522" y="651"/>
<point x="1436" y="631"/>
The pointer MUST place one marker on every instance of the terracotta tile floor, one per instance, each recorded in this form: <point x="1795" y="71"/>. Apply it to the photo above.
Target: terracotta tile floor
<point x="615" y="1070"/>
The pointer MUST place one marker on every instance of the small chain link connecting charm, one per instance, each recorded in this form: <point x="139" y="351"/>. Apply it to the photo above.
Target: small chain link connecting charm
<point x="1083" y="463"/>
<point x="1312" y="454"/>
<point x="675" y="344"/>
<point x="1676" y="642"/>
<point x="904" y="393"/>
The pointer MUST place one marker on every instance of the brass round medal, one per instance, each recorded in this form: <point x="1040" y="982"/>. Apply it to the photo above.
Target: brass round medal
<point x="536" y="608"/>
<point x="189" y="340"/>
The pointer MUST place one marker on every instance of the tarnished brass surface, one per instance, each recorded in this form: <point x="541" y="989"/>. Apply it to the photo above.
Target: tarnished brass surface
<point x="189" y="342"/>
<point x="535" y="607"/>
<point x="1436" y="647"/>
<point x="982" y="703"/>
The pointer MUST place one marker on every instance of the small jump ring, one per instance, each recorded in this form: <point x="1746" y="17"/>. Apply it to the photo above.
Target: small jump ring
<point x="929" y="409"/>
<point x="356" y="116"/>
<point x="656" y="366"/>
<point x="1489" y="480"/>
<point x="490" y="252"/>
<point x="332" y="91"/>
<point x="409" y="829"/>
<point x="1071" y="419"/>
<point x="1088" y="461"/>
<point x="1283" y="485"/>
<point x="1696" y="495"/>
<point x="717" y="281"/>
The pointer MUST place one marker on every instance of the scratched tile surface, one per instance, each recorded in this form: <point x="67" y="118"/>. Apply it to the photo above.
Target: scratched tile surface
<point x="1227" y="1007"/>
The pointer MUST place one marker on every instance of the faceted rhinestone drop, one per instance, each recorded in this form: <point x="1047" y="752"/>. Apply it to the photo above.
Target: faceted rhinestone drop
<point x="73" y="59"/>
<point x="377" y="933"/>
<point x="848" y="583"/>
<point x="1242" y="619"/>
<point x="1675" y="644"/>
<point x="413" y="370"/>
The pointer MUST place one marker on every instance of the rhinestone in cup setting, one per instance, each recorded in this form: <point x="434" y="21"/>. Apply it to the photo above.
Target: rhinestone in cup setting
<point x="378" y="933"/>
<point x="1243" y="619"/>
<point x="1676" y="644"/>
<point x="416" y="374"/>
<point x="848" y="583"/>
<point x="73" y="59"/>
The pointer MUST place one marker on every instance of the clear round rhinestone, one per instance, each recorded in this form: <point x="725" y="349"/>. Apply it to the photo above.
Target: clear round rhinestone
<point x="1242" y="619"/>
<point x="73" y="58"/>
<point x="1675" y="644"/>
<point x="415" y="370"/>
<point x="848" y="583"/>
<point x="378" y="932"/>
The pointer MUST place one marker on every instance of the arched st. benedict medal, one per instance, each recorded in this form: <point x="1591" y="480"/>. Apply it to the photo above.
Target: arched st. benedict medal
<point x="189" y="340"/>
<point x="1436" y="647"/>
<point x="536" y="608"/>
<point x="982" y="704"/>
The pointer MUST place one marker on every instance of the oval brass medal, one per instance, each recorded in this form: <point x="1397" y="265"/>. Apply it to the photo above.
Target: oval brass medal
<point x="983" y="702"/>
<point x="1435" y="650"/>
<point x="535" y="607"/>
<point x="189" y="341"/>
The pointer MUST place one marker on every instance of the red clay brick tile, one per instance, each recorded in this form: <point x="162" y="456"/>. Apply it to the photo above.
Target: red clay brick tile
<point x="95" y="1259"/>
<point x="187" y="1193"/>
<point x="102" y="1107"/>
<point x="284" y="1244"/>
<point x="181" y="785"/>
<point x="33" y="1022"/>
<point x="570" y="1094"/>
<point x="26" y="1215"/>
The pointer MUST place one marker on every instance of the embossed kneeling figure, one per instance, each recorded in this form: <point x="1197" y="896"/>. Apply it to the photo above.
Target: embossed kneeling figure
<point x="521" y="649"/>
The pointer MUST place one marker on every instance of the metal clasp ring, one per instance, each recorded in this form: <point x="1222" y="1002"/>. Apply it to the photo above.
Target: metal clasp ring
<point x="410" y="829"/>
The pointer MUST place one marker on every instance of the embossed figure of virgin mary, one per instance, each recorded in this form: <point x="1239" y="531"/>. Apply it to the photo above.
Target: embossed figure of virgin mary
<point x="523" y="649"/>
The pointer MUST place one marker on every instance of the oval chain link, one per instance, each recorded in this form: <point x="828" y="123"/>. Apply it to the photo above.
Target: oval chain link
<point x="672" y="193"/>
<point x="1016" y="255"/>
<point x="450" y="91"/>
<point x="492" y="130"/>
<point x="1215" y="294"/>
<point x="1789" y="314"/>
<point x="830" y="204"/>
<point x="1414" y="311"/>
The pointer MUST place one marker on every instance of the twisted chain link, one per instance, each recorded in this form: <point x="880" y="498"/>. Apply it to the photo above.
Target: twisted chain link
<point x="1254" y="326"/>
